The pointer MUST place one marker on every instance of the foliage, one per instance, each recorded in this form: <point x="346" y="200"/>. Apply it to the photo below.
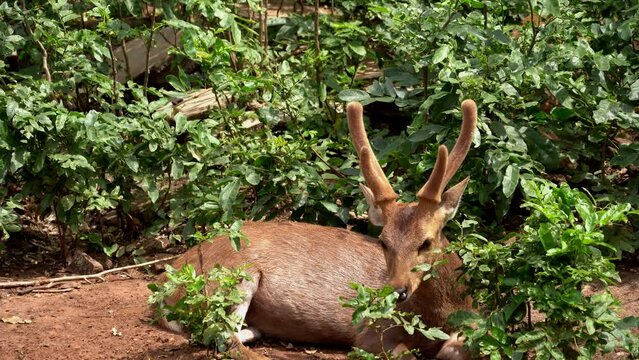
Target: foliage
<point x="555" y="94"/>
<point x="205" y="308"/>
<point x="8" y="219"/>
<point x="375" y="309"/>
<point x="545" y="268"/>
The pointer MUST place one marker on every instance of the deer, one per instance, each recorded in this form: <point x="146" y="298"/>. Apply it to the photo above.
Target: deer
<point x="299" y="271"/>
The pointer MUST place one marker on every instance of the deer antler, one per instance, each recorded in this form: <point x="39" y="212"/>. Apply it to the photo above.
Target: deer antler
<point x="447" y="165"/>
<point x="373" y="173"/>
<point x="435" y="185"/>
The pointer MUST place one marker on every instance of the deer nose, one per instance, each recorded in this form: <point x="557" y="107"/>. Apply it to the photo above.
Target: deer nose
<point x="403" y="294"/>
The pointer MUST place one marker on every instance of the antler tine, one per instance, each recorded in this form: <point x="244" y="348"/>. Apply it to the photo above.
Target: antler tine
<point x="373" y="173"/>
<point x="375" y="179"/>
<point x="435" y="185"/>
<point x="462" y="145"/>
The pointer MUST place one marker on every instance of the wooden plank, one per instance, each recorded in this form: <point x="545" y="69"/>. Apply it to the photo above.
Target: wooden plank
<point x="163" y="40"/>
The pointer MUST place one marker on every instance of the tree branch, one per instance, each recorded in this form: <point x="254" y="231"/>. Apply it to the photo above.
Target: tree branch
<point x="43" y="50"/>
<point x="14" y="284"/>
<point x="148" y="52"/>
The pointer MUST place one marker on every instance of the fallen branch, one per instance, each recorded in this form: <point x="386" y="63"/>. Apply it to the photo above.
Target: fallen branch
<point x="14" y="284"/>
<point x="31" y="289"/>
<point x="63" y="290"/>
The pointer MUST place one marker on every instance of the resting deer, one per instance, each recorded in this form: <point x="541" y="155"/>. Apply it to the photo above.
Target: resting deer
<point x="300" y="271"/>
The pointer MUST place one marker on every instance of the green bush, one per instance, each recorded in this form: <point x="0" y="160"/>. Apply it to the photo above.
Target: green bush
<point x="543" y="270"/>
<point x="205" y="308"/>
<point x="375" y="309"/>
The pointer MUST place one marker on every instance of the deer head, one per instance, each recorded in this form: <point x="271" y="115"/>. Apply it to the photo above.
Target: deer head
<point x="412" y="233"/>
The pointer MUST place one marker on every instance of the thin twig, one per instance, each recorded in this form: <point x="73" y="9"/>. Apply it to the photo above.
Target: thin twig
<point x="529" y="311"/>
<point x="279" y="8"/>
<point x="318" y="64"/>
<point x="534" y="27"/>
<point x="43" y="50"/>
<point x="114" y="69"/>
<point x="48" y="286"/>
<point x="264" y="25"/>
<point x="355" y="74"/>
<point x="14" y="284"/>
<point x="333" y="169"/>
<point x="53" y="290"/>
<point x="148" y="52"/>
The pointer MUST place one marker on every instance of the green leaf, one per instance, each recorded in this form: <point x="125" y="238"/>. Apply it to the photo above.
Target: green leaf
<point x="177" y="169"/>
<point x="253" y="178"/>
<point x="602" y="62"/>
<point x="434" y="334"/>
<point x="353" y="95"/>
<point x="509" y="89"/>
<point x="546" y="236"/>
<point x="375" y="89"/>
<point x="284" y="68"/>
<point x="510" y="180"/>
<point x="590" y="326"/>
<point x="235" y="31"/>
<point x="180" y="123"/>
<point x="17" y="160"/>
<point x="12" y="108"/>
<point x="425" y="106"/>
<point x="132" y="162"/>
<point x="330" y="206"/>
<point x="358" y="49"/>
<point x="587" y="213"/>
<point x="530" y="337"/>
<point x="109" y="250"/>
<point x="634" y="91"/>
<point x="60" y="121"/>
<point x="440" y="54"/>
<point x="67" y="202"/>
<point x="427" y="132"/>
<point x="149" y="186"/>
<point x="228" y="195"/>
<point x="551" y="7"/>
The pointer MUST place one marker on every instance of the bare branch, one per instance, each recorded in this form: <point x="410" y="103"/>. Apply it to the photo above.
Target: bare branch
<point x="43" y="50"/>
<point x="14" y="284"/>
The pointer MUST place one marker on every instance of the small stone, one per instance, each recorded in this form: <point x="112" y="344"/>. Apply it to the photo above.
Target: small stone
<point x="157" y="243"/>
<point x="81" y="263"/>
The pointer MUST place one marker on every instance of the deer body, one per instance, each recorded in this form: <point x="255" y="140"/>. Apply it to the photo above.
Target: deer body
<point x="297" y="297"/>
<point x="299" y="271"/>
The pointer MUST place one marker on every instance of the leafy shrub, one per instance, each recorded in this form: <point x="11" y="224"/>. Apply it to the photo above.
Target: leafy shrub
<point x="204" y="310"/>
<point x="555" y="94"/>
<point x="375" y="309"/>
<point x="543" y="270"/>
<point x="9" y="220"/>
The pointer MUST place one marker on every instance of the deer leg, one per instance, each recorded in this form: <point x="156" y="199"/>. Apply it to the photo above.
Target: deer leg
<point x="249" y="288"/>
<point x="172" y="325"/>
<point x="453" y="349"/>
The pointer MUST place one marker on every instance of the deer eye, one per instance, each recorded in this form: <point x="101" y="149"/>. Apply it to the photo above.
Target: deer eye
<point x="425" y="245"/>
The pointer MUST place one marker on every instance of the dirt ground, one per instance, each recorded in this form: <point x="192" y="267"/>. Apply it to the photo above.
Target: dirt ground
<point x="105" y="320"/>
<point x="110" y="320"/>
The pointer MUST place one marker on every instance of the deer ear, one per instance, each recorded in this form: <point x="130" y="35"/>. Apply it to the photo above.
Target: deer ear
<point x="451" y="199"/>
<point x="375" y="215"/>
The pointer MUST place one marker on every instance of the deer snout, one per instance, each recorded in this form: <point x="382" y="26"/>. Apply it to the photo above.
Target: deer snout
<point x="402" y="294"/>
